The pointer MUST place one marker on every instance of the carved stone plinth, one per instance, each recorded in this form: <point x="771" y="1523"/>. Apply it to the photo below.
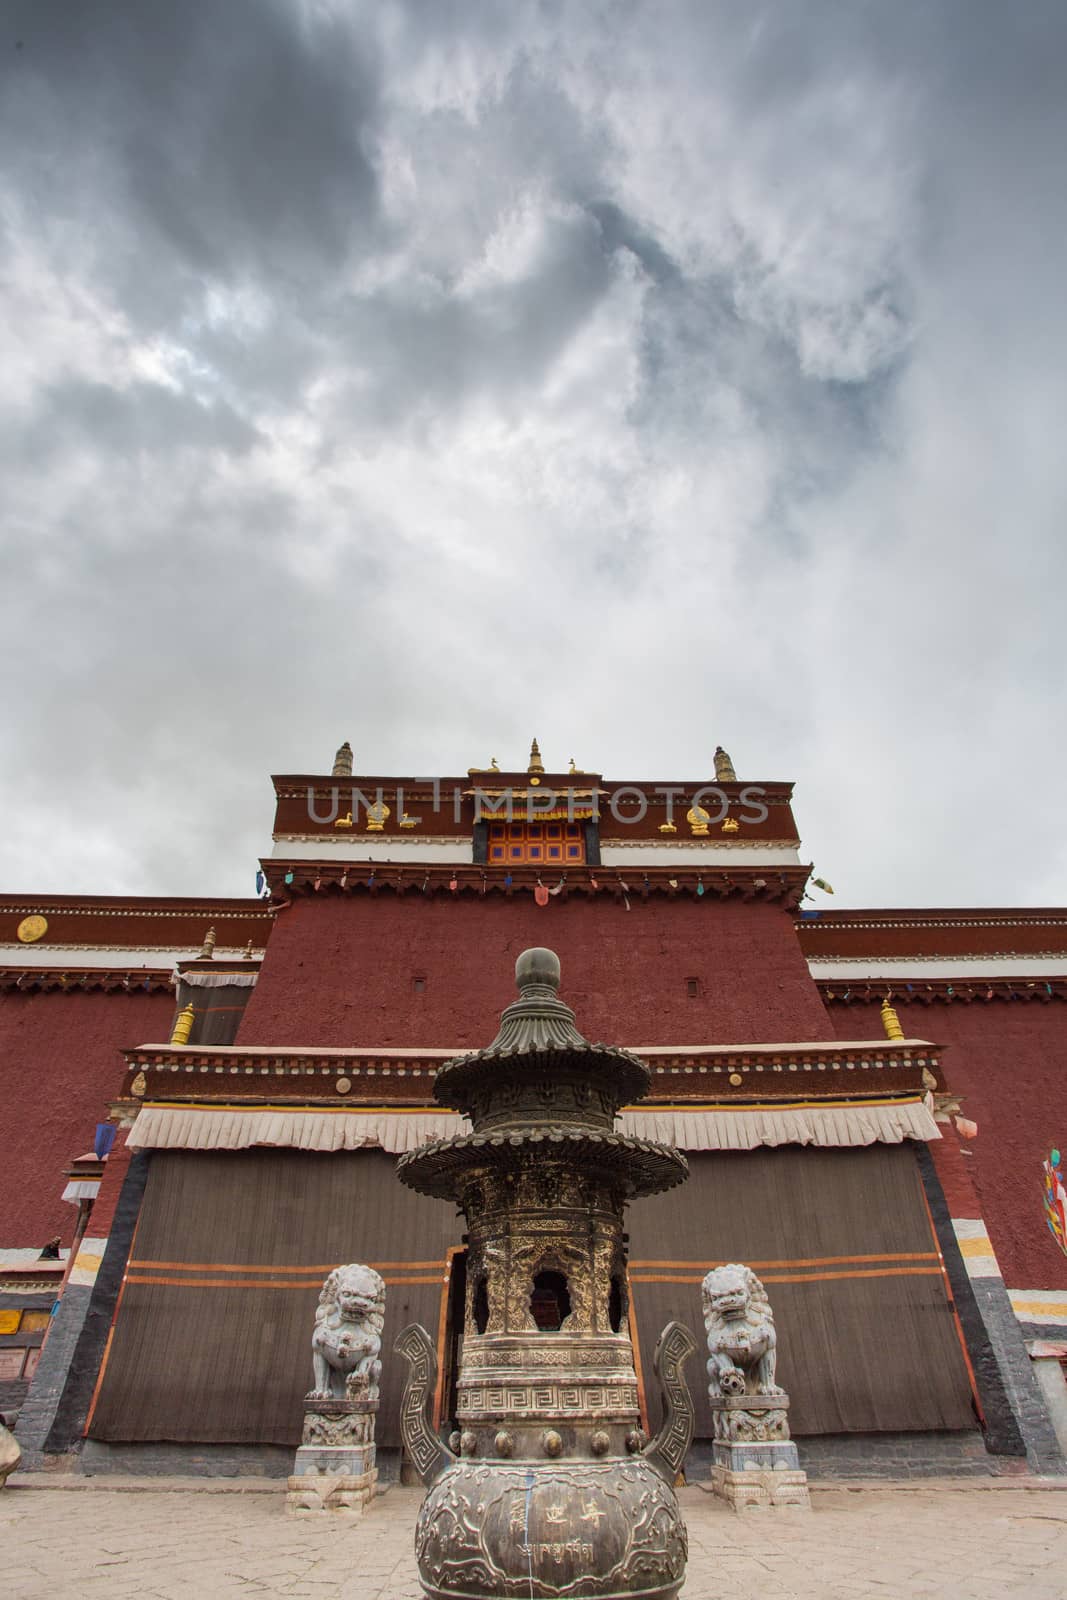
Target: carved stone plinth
<point x="751" y="1419"/>
<point x="757" y="1487"/>
<point x="324" y="1496"/>
<point x="10" y="1454"/>
<point x="754" y="1461"/>
<point x="335" y="1470"/>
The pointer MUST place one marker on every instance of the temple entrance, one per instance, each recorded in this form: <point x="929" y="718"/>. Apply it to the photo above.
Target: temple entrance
<point x="451" y="1343"/>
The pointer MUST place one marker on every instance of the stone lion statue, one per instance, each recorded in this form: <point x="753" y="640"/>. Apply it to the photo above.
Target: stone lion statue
<point x="740" y="1329"/>
<point x="347" y="1340"/>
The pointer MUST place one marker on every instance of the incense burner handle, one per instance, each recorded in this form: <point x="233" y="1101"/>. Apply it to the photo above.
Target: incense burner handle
<point x="426" y="1450"/>
<point x="669" y="1448"/>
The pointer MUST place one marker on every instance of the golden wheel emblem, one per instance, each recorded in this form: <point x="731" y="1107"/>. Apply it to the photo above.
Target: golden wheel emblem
<point x="30" y="929"/>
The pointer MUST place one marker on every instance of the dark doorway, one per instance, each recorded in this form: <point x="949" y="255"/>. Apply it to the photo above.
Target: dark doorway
<point x="455" y="1315"/>
<point x="616" y="1303"/>
<point x="550" y="1302"/>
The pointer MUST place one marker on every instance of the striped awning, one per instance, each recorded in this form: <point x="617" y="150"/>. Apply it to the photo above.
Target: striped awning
<point x="722" y="1128"/>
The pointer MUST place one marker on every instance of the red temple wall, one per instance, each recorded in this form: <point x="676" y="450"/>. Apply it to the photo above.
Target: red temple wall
<point x="1008" y="1062"/>
<point x="59" y="1067"/>
<point x="342" y="970"/>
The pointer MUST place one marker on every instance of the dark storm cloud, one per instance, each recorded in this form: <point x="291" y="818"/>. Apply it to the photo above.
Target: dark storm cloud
<point x="498" y="341"/>
<point x="378" y="370"/>
<point x="213" y="140"/>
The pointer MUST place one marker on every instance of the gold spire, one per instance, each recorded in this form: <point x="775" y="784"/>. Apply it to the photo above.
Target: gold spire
<point x="536" y="764"/>
<point x="183" y="1025"/>
<point x="342" y="762"/>
<point x="207" y="949"/>
<point x="724" y="767"/>
<point x="890" y="1021"/>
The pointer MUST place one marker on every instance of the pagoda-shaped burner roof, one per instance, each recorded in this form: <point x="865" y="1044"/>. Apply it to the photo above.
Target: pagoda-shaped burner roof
<point x="538" y="1035"/>
<point x="541" y="1090"/>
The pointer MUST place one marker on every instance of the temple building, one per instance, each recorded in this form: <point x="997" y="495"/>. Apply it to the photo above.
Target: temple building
<point x="206" y="1099"/>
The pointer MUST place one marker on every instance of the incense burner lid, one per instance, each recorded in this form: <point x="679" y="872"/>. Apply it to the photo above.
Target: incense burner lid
<point x="636" y="1166"/>
<point x="537" y="1035"/>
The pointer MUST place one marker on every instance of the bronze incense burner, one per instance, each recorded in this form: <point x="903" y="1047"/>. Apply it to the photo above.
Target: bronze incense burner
<point x="554" y="1490"/>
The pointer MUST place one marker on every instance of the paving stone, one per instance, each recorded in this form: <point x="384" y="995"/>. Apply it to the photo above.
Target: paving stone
<point x="917" y="1542"/>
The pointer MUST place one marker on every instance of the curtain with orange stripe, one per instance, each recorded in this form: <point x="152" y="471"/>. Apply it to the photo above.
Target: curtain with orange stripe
<point x="212" y="1336"/>
<point x="842" y="1240"/>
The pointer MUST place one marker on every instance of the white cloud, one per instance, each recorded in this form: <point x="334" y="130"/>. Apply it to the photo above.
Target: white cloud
<point x="644" y="378"/>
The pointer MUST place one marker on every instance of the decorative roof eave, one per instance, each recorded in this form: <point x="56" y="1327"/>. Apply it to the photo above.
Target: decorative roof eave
<point x="820" y="921"/>
<point x="136" y="980"/>
<point x="299" y="782"/>
<point x="939" y="991"/>
<point x="289" y="878"/>
<point x="726" y="1074"/>
<point x="106" y="905"/>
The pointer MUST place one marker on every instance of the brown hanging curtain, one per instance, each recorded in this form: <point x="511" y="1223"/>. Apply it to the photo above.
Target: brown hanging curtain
<point x="843" y="1243"/>
<point x="212" y="1340"/>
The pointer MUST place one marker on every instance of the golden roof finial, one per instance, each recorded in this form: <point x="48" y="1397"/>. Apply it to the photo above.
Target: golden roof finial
<point x="248" y="951"/>
<point x="536" y="764"/>
<point x="183" y="1025"/>
<point x="342" y="762"/>
<point x="207" y="949"/>
<point x="890" y="1021"/>
<point x="724" y="767"/>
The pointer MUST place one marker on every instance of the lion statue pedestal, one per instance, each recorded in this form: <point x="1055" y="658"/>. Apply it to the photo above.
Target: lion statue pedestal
<point x="754" y="1460"/>
<point x="334" y="1473"/>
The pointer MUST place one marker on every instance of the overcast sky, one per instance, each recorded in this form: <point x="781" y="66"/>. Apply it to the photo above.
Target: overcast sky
<point x="639" y="376"/>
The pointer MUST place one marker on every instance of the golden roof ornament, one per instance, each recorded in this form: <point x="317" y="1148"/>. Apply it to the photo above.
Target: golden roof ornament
<point x="207" y="949"/>
<point x="724" y="767"/>
<point x="30" y="929"/>
<point x="183" y="1025"/>
<point x="890" y="1021"/>
<point x="698" y="820"/>
<point x="377" y="815"/>
<point x="536" y="764"/>
<point x="342" y="762"/>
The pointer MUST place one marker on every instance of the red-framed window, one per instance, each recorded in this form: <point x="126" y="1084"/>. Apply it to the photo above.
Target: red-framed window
<point x="537" y="844"/>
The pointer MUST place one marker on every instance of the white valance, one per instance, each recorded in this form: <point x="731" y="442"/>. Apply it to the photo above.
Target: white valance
<point x="80" y="1189"/>
<point x="218" y="980"/>
<point x="190" y="1128"/>
<point x="747" y="1128"/>
<point x="826" y="1127"/>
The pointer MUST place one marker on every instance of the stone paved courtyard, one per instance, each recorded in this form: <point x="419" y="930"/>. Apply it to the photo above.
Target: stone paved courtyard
<point x="215" y="1542"/>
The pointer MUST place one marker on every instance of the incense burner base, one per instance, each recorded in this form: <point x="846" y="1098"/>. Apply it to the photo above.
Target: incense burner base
<point x="541" y="1530"/>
